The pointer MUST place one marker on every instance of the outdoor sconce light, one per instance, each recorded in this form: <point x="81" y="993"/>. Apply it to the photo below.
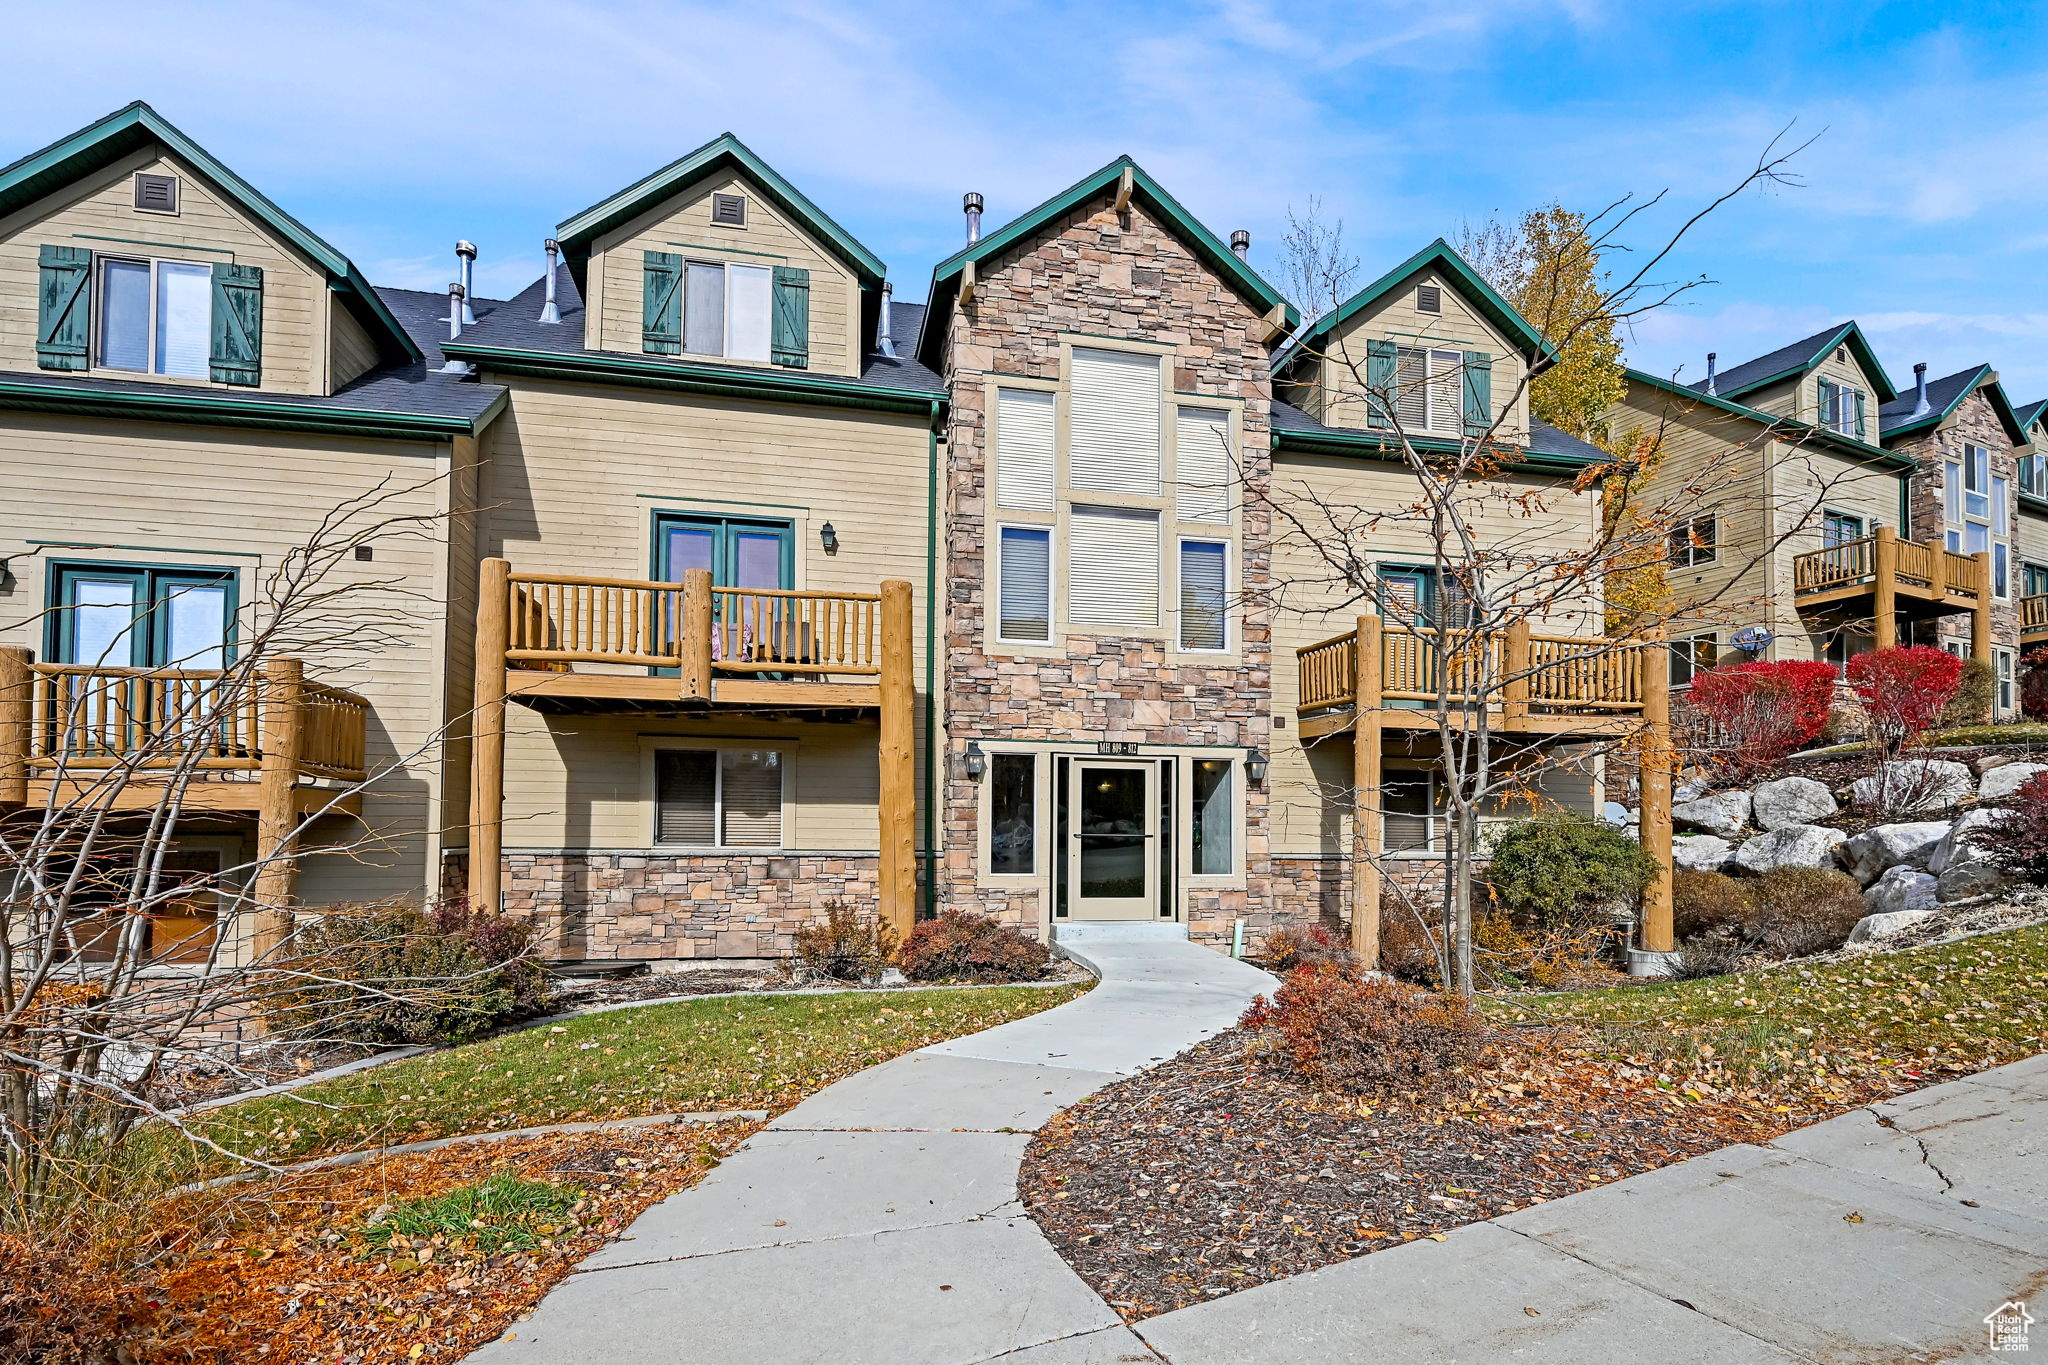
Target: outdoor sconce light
<point x="975" y="763"/>
<point x="829" y="538"/>
<point x="1255" y="766"/>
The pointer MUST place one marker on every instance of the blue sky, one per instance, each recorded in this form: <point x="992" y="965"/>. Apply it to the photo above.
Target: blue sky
<point x="393" y="128"/>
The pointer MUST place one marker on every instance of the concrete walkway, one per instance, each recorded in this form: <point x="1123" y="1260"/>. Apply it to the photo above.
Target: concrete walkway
<point x="878" y="1220"/>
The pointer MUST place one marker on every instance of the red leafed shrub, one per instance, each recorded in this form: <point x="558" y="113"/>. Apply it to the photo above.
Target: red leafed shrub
<point x="2034" y="684"/>
<point x="2018" y="843"/>
<point x="1291" y="946"/>
<point x="1766" y="710"/>
<point x="961" y="946"/>
<point x="1357" y="1037"/>
<point x="1904" y="691"/>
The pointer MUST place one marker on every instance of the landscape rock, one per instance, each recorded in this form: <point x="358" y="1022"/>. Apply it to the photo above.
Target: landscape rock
<point x="1792" y="801"/>
<point x="1702" y="852"/>
<point x="1984" y="763"/>
<point x="1963" y="880"/>
<point x="1884" y="926"/>
<point x="1902" y="888"/>
<point x="2007" y="778"/>
<point x="1871" y="853"/>
<point x="1907" y="785"/>
<point x="1690" y="790"/>
<point x="1962" y="843"/>
<point x="1792" y="846"/>
<point x="1722" y="813"/>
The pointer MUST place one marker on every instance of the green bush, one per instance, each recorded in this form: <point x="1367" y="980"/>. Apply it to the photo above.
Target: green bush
<point x="1706" y="902"/>
<point x="1561" y="869"/>
<point x="1971" y="705"/>
<point x="957" y="945"/>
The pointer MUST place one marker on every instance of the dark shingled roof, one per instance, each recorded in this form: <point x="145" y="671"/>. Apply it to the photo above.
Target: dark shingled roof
<point x="1942" y="395"/>
<point x="1544" y="439"/>
<point x="2029" y="413"/>
<point x="1749" y="373"/>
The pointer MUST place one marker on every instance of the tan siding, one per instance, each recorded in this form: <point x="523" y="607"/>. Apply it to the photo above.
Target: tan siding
<point x="350" y="352"/>
<point x="1805" y="482"/>
<point x="683" y="226"/>
<point x="295" y="296"/>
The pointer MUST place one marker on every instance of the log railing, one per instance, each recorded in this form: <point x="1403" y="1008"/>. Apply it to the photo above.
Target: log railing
<point x="1516" y="670"/>
<point x="2034" y="614"/>
<point x="1884" y="561"/>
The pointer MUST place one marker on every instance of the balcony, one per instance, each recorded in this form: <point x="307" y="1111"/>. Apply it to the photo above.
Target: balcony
<point x="2034" y="619"/>
<point x="1885" y="577"/>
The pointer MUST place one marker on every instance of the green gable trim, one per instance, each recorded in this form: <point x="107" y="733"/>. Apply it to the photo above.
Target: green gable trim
<point x="222" y="411"/>
<point x="1848" y="334"/>
<point x="1212" y="252"/>
<point x="2033" y="502"/>
<point x="1442" y="256"/>
<point x="774" y="386"/>
<point x="1995" y="395"/>
<point x="579" y="230"/>
<point x="1368" y="445"/>
<point x="135" y="127"/>
<point x="1783" y="428"/>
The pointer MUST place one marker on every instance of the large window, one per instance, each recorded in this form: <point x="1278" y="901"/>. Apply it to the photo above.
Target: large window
<point x="726" y="309"/>
<point x="1113" y="568"/>
<point x="740" y="552"/>
<point x="1412" y="819"/>
<point x="156" y="317"/>
<point x="1013" y="814"/>
<point x="719" y="797"/>
<point x="1978" y="508"/>
<point x="130" y="616"/>
<point x="1428" y="392"/>
<point x="1213" y="819"/>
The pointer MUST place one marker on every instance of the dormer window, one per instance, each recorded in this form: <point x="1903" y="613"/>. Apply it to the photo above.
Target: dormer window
<point x="1429" y="298"/>
<point x="729" y="210"/>
<point x="725" y="310"/>
<point x="155" y="317"/>
<point x="1426" y="396"/>
<point x="1842" y="409"/>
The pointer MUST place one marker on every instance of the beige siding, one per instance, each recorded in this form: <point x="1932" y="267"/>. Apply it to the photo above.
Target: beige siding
<point x="350" y="352"/>
<point x="1799" y="396"/>
<point x="98" y="212"/>
<point x="683" y="226"/>
<point x="1805" y="483"/>
<point x="123" y="493"/>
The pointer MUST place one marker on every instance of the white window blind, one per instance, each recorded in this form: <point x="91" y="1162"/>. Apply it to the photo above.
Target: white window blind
<point x="1113" y="567"/>
<point x="750" y="797"/>
<point x="1024" y="582"/>
<point x="1024" y="449"/>
<point x="686" y="797"/>
<point x="1204" y="588"/>
<point x="1114" y="422"/>
<point x="747" y="294"/>
<point x="1203" y="466"/>
<point x="718" y="797"/>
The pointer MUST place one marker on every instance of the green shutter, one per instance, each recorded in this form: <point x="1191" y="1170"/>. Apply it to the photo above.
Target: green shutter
<point x="237" y="324"/>
<point x="661" y="308"/>
<point x="1478" y="392"/>
<point x="64" y="319"/>
<point x="1825" y="396"/>
<point x="792" y="318"/>
<point x="1860" y="428"/>
<point x="1380" y="357"/>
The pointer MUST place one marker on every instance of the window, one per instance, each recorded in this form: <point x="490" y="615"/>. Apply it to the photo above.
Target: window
<point x="1213" y="818"/>
<point x="1412" y="819"/>
<point x="156" y="317"/>
<point x="1024" y="449"/>
<point x="1692" y="656"/>
<point x="740" y="552"/>
<point x="156" y="193"/>
<point x="1842" y="409"/>
<point x="1024" y="585"/>
<point x="1840" y="528"/>
<point x="1013" y="814"/>
<point x="1692" y="543"/>
<point x="1113" y="567"/>
<point x="124" y="616"/>
<point x="1203" y="467"/>
<point x="1406" y="596"/>
<point x="1429" y="298"/>
<point x="2003" y="662"/>
<point x="729" y="210"/>
<point x="727" y="798"/>
<point x="2034" y="475"/>
<point x="1428" y="389"/>
<point x="2034" y="580"/>
<point x="1204" y="594"/>
<point x="726" y="309"/>
<point x="1114" y="422"/>
<point x="1978" y="509"/>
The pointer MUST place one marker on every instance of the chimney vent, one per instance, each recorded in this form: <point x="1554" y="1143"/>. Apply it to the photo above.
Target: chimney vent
<point x="884" y="341"/>
<point x="971" y="202"/>
<point x="466" y="251"/>
<point x="549" y="312"/>
<point x="1240" y="243"/>
<point x="1712" y="387"/>
<point x="1921" y="407"/>
<point x="456" y="299"/>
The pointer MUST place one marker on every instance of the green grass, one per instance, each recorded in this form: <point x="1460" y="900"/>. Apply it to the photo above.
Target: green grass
<point x="1962" y="737"/>
<point x="763" y="1052"/>
<point x="503" y="1213"/>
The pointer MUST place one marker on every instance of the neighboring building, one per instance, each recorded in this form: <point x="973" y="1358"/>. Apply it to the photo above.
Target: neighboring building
<point x="2032" y="536"/>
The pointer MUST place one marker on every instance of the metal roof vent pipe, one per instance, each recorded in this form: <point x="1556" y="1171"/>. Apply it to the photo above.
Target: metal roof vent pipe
<point x="549" y="313"/>
<point x="1240" y="244"/>
<point x="456" y="299"/>
<point x="885" y="341"/>
<point x="971" y="202"/>
<point x="1711" y="388"/>
<point x="1921" y="407"/>
<point x="466" y="251"/>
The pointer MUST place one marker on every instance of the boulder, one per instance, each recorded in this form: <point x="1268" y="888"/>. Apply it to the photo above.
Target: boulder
<point x="1909" y="785"/>
<point x="1884" y="926"/>
<point x="1963" y="880"/>
<point x="1722" y="813"/>
<point x="1792" y="801"/>
<point x="1692" y="789"/>
<point x="1792" y="846"/>
<point x="1962" y="844"/>
<point x="2006" y="779"/>
<point x="1870" y="854"/>
<point x="1902" y="888"/>
<point x="1702" y="852"/>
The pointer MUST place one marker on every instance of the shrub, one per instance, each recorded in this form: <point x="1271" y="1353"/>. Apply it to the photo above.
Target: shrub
<point x="60" y="1304"/>
<point x="2018" y="845"/>
<point x="1706" y="902"/>
<point x="1765" y="711"/>
<point x="1904" y="691"/>
<point x="1292" y="946"/>
<point x="1709" y="955"/>
<point x="400" y="974"/>
<point x="961" y="946"/>
<point x="1407" y="950"/>
<point x="2034" y="684"/>
<point x="847" y="944"/>
<point x="1975" y="689"/>
<point x="1802" y="910"/>
<point x="1561" y="869"/>
<point x="1358" y="1036"/>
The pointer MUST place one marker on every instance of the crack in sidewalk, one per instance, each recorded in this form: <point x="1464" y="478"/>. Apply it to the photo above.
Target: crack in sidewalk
<point x="1926" y="1156"/>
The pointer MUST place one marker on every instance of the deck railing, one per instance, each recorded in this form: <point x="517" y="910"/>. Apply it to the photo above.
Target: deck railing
<point x="1926" y="569"/>
<point x="2034" y="614"/>
<point x="1546" y="673"/>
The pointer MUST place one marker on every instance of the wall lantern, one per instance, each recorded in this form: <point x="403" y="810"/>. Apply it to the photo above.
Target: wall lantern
<point x="975" y="764"/>
<point x="1255" y="766"/>
<point x="829" y="538"/>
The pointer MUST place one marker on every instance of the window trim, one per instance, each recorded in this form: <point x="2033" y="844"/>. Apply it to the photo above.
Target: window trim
<point x="1184" y="815"/>
<point x="97" y="329"/>
<point x="725" y="269"/>
<point x="1695" y="554"/>
<point x="1180" y="636"/>
<point x="57" y="634"/>
<point x="1043" y="854"/>
<point x="1052" y="583"/>
<point x="650" y="786"/>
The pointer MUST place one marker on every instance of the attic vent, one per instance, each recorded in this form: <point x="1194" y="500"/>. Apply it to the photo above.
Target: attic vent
<point x="1429" y="299"/>
<point x="729" y="210"/>
<point x="156" y="193"/>
<point x="1841" y="355"/>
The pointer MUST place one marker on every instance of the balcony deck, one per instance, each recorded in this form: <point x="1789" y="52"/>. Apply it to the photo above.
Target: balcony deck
<point x="1922" y="579"/>
<point x="2034" y="619"/>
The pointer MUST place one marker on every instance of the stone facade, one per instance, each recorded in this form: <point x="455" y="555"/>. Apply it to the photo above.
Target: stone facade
<point x="1975" y="423"/>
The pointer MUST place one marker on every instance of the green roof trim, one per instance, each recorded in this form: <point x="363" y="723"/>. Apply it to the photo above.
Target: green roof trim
<point x="1443" y="256"/>
<point x="1803" y="431"/>
<point x="220" y="410"/>
<point x="1204" y="243"/>
<point x="765" y="385"/>
<point x="578" y="230"/>
<point x="1374" y="445"/>
<point x="132" y="128"/>
<point x="1981" y="377"/>
<point x="1848" y="334"/>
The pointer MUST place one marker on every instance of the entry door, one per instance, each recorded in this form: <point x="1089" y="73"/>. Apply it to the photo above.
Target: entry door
<point x="1113" y="840"/>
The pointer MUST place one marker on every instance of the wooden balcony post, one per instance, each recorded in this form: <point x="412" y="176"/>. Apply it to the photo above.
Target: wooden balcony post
<point x="1654" y="759"/>
<point x="896" y="809"/>
<point x="282" y="708"/>
<point x="1885" y="588"/>
<point x="1516" y="659"/>
<point x="1366" y="821"/>
<point x="1980" y="614"/>
<point x="487" y="737"/>
<point x="1937" y="571"/>
<point x="17" y="700"/>
<point x="696" y="642"/>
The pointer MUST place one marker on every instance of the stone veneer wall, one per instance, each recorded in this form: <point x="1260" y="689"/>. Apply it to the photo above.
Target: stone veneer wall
<point x="1316" y="889"/>
<point x="1976" y="424"/>
<point x="639" y="904"/>
<point x="1091" y="273"/>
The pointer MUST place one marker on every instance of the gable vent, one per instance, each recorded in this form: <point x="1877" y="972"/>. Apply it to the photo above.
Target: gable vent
<point x="1841" y="355"/>
<point x="1429" y="299"/>
<point x="729" y="210"/>
<point x="156" y="193"/>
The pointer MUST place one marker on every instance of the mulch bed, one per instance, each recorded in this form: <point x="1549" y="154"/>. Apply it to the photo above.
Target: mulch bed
<point x="583" y="994"/>
<point x="1212" y="1173"/>
<point x="239" y="1067"/>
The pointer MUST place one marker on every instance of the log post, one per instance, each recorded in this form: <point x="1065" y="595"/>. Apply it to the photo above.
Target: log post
<point x="1885" y="588"/>
<point x="1516" y="659"/>
<point x="17" y="702"/>
<point x="487" y="737"/>
<point x="1980" y="615"/>
<point x="281" y="706"/>
<point x="1937" y="572"/>
<point x="1366" y="819"/>
<point x="896" y="809"/>
<point x="1655" y="757"/>
<point x="696" y="641"/>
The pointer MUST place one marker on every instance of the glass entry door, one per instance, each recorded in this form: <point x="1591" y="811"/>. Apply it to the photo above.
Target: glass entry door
<point x="1113" y="840"/>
